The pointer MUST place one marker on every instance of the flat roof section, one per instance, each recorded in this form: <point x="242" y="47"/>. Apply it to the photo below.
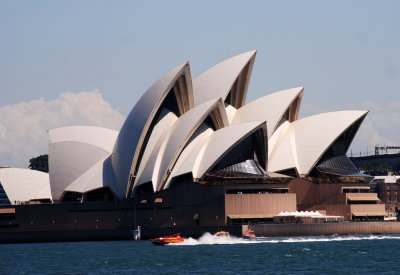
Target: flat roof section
<point x="367" y="197"/>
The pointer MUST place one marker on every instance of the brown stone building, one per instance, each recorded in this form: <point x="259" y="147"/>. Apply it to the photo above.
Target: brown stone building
<point x="388" y="190"/>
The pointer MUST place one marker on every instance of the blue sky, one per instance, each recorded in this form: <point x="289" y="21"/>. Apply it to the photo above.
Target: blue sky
<point x="345" y="53"/>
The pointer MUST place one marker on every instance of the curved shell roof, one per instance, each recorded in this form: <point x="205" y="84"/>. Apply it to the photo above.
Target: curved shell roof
<point x="74" y="149"/>
<point x="97" y="176"/>
<point x="91" y="179"/>
<point x="137" y="125"/>
<point x="161" y="130"/>
<point x="170" y="147"/>
<point x="282" y="149"/>
<point x="68" y="161"/>
<point x="302" y="143"/>
<point x="219" y="80"/>
<point x="220" y="143"/>
<point x="178" y="127"/>
<point x="270" y="108"/>
<point x="216" y="145"/>
<point x="187" y="159"/>
<point x="96" y="136"/>
<point x="25" y="184"/>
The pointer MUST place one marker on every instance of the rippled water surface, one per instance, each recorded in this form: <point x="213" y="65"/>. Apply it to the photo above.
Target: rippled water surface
<point x="359" y="254"/>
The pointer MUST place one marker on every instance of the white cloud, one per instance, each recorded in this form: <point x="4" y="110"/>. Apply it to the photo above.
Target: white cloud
<point x="368" y="136"/>
<point x="23" y="126"/>
<point x="379" y="128"/>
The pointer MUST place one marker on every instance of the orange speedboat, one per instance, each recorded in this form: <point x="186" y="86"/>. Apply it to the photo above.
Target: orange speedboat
<point x="175" y="238"/>
<point x="249" y="235"/>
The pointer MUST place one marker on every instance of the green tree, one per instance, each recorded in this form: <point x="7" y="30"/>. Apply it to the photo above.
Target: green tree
<point x="40" y="163"/>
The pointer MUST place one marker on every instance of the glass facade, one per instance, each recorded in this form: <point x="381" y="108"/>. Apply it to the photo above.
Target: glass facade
<point x="3" y="196"/>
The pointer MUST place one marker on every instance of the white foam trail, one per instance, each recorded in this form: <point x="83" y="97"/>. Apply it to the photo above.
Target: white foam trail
<point x="207" y="238"/>
<point x="334" y="238"/>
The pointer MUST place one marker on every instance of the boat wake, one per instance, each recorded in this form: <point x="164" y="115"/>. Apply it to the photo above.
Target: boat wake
<point x="208" y="239"/>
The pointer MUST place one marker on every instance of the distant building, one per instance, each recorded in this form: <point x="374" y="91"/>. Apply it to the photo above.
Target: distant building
<point x="388" y="190"/>
<point x="378" y="165"/>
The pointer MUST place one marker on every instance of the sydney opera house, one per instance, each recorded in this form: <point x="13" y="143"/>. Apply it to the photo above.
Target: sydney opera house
<point x="192" y="152"/>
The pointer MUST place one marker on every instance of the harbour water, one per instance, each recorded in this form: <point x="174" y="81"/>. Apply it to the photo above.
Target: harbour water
<point x="358" y="254"/>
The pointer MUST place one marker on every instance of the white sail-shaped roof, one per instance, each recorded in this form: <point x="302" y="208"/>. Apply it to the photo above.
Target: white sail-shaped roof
<point x="177" y="128"/>
<point x="215" y="146"/>
<point x="319" y="132"/>
<point x="301" y="144"/>
<point x="220" y="143"/>
<point x="163" y="158"/>
<point x="23" y="185"/>
<point x="134" y="134"/>
<point x="231" y="75"/>
<point x="96" y="177"/>
<point x="96" y="136"/>
<point x="271" y="108"/>
<point x="160" y="131"/>
<point x="182" y="131"/>
<point x="282" y="149"/>
<point x="187" y="159"/>
<point x="73" y="151"/>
